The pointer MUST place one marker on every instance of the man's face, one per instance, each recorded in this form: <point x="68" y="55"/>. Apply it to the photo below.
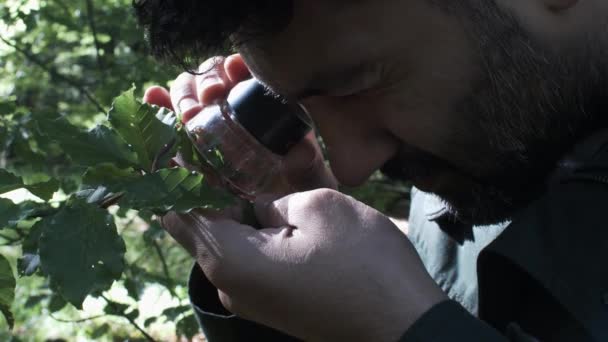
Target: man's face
<point x="464" y="98"/>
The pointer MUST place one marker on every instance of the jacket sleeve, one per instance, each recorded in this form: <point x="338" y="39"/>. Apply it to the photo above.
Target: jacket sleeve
<point x="217" y="323"/>
<point x="449" y="321"/>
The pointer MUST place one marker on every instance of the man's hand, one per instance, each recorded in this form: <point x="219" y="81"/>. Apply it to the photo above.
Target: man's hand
<point x="326" y="267"/>
<point x="189" y="94"/>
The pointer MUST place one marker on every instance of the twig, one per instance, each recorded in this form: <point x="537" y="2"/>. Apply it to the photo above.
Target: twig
<point x="77" y="320"/>
<point x="163" y="261"/>
<point x="55" y="74"/>
<point x="91" y="17"/>
<point x="163" y="151"/>
<point x="110" y="201"/>
<point x="131" y="320"/>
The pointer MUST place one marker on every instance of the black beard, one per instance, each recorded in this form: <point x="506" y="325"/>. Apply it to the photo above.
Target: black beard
<point x="531" y="105"/>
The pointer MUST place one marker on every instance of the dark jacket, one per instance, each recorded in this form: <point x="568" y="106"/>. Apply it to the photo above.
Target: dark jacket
<point x="542" y="277"/>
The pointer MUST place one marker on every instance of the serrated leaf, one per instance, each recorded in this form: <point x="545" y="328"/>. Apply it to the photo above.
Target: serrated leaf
<point x="97" y="146"/>
<point x="7" y="289"/>
<point x="81" y="251"/>
<point x="173" y="189"/>
<point x="149" y="129"/>
<point x="187" y="326"/>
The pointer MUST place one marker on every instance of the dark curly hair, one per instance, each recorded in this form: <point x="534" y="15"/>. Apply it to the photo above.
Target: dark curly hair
<point x="184" y="32"/>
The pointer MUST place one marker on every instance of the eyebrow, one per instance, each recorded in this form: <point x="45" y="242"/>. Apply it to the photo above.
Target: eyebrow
<point x="324" y="82"/>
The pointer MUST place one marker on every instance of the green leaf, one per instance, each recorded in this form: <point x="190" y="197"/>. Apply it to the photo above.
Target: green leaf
<point x="81" y="251"/>
<point x="100" y="331"/>
<point x="56" y="303"/>
<point x="116" y="309"/>
<point x="174" y="312"/>
<point x="149" y="321"/>
<point x="109" y="176"/>
<point x="34" y="300"/>
<point x="173" y="189"/>
<point x="7" y="289"/>
<point x="9" y="182"/>
<point x="10" y="213"/>
<point x="149" y="129"/>
<point x="7" y="107"/>
<point x="187" y="326"/>
<point x="29" y="263"/>
<point x="97" y="146"/>
<point x="44" y="190"/>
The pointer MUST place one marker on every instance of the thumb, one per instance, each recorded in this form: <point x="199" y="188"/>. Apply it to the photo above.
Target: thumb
<point x="226" y="250"/>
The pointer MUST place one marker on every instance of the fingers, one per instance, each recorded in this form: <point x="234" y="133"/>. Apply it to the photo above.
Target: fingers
<point x="305" y="166"/>
<point x="190" y="93"/>
<point x="226" y="250"/>
<point x="213" y="84"/>
<point x="158" y="96"/>
<point x="236" y="69"/>
<point x="184" y="97"/>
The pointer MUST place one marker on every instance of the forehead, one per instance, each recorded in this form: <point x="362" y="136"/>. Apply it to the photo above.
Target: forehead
<point x="329" y="35"/>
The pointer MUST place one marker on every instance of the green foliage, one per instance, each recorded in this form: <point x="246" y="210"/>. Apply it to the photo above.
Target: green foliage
<point x="97" y="166"/>
<point x="80" y="251"/>
<point x="147" y="129"/>
<point x="7" y="289"/>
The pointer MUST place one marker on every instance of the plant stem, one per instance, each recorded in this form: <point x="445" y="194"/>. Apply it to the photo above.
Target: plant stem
<point x="77" y="320"/>
<point x="163" y="261"/>
<point x="131" y="320"/>
<point x="163" y="151"/>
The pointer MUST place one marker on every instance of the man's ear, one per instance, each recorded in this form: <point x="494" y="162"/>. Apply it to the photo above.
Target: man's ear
<point x="560" y="5"/>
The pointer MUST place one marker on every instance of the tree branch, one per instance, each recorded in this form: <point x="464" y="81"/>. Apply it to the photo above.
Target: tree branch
<point x="91" y="17"/>
<point x="77" y="320"/>
<point x="131" y="320"/>
<point x="163" y="261"/>
<point x="161" y="154"/>
<point x="32" y="58"/>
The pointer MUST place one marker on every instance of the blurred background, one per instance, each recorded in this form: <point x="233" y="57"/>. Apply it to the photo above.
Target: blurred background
<point x="70" y="58"/>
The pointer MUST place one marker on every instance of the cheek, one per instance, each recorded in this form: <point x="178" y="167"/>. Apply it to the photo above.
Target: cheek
<point x="357" y="142"/>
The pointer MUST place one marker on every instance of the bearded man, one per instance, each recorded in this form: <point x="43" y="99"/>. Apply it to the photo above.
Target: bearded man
<point x="493" y="109"/>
